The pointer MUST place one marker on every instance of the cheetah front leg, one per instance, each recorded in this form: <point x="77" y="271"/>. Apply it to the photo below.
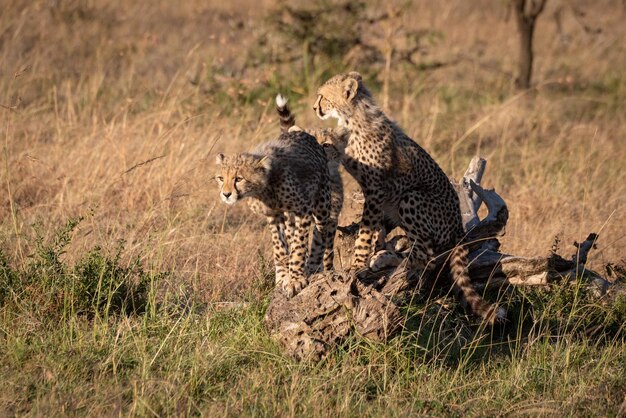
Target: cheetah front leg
<point x="411" y="210"/>
<point x="322" y="244"/>
<point x="330" y="228"/>
<point x="371" y="221"/>
<point x="290" y="225"/>
<point x="277" y="228"/>
<point x="325" y="217"/>
<point x="318" y="245"/>
<point x="297" y="256"/>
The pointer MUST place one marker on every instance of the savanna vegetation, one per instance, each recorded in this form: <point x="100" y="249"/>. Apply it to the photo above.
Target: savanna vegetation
<point x="127" y="288"/>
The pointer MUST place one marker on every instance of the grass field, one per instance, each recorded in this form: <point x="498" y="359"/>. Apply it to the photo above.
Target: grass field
<point x="122" y="275"/>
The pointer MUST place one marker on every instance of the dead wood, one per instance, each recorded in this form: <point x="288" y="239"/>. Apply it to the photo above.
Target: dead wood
<point x="336" y="305"/>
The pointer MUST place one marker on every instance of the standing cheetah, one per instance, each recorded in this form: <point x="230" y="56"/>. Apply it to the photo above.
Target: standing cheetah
<point x="402" y="181"/>
<point x="288" y="181"/>
<point x="329" y="139"/>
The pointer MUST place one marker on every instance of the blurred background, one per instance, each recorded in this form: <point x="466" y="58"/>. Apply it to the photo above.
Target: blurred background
<point x="113" y="111"/>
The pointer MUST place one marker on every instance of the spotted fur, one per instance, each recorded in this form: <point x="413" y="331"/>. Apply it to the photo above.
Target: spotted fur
<point x="287" y="180"/>
<point x="400" y="180"/>
<point x="333" y="142"/>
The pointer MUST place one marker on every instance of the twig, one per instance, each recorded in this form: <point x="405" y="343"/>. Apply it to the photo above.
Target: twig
<point x="9" y="108"/>
<point x="217" y="138"/>
<point x="14" y="107"/>
<point x="23" y="71"/>
<point x="143" y="163"/>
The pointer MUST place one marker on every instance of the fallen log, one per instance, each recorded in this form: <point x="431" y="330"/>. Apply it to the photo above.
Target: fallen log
<point x="336" y="304"/>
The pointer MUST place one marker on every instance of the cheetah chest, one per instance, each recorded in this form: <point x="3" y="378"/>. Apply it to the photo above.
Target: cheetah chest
<point x="368" y="160"/>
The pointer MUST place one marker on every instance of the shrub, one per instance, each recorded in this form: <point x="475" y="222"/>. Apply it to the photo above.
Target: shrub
<point x="97" y="284"/>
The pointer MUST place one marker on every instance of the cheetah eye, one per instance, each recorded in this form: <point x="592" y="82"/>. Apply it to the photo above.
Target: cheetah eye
<point x="238" y="179"/>
<point x="220" y="178"/>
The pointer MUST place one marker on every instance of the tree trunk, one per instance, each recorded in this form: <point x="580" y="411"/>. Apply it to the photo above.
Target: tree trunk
<point x="526" y="13"/>
<point x="525" y="29"/>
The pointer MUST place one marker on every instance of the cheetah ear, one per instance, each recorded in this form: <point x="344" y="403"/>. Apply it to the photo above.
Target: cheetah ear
<point x="350" y="88"/>
<point x="219" y="158"/>
<point x="265" y="163"/>
<point x="355" y="75"/>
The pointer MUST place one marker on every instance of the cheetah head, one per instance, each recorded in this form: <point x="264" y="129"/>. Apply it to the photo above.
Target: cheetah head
<point x="337" y="97"/>
<point x="241" y="175"/>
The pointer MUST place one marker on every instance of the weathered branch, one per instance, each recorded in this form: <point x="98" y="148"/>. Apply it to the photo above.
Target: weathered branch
<point x="336" y="304"/>
<point x="469" y="200"/>
<point x="471" y="197"/>
<point x="583" y="249"/>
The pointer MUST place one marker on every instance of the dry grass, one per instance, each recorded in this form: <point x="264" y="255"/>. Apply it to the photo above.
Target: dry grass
<point x="114" y="110"/>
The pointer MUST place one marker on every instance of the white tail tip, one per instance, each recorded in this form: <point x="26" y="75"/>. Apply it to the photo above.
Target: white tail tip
<point x="500" y="314"/>
<point x="281" y="101"/>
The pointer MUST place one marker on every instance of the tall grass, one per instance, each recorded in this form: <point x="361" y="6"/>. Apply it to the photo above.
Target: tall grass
<point x="152" y="304"/>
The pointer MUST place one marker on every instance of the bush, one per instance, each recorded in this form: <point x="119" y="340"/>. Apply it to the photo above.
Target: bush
<point x="96" y="285"/>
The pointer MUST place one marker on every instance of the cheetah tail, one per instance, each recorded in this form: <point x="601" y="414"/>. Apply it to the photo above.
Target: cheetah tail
<point x="287" y="119"/>
<point x="470" y="299"/>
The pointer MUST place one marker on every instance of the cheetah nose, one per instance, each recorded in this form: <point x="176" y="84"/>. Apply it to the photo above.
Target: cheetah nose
<point x="226" y="194"/>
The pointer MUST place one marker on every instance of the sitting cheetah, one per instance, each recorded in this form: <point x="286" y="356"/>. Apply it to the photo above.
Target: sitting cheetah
<point x="399" y="180"/>
<point x="288" y="181"/>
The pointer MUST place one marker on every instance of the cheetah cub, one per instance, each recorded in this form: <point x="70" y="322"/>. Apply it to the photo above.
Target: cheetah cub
<point x="329" y="140"/>
<point x="400" y="180"/>
<point x="287" y="180"/>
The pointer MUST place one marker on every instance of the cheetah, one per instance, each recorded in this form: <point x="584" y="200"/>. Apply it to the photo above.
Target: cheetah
<point x="286" y="180"/>
<point x="400" y="180"/>
<point x="329" y="139"/>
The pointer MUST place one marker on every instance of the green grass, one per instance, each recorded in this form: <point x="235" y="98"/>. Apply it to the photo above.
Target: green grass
<point x="92" y="338"/>
<point x="153" y="304"/>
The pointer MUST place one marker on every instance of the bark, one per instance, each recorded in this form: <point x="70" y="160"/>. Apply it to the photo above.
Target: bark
<point x="328" y="310"/>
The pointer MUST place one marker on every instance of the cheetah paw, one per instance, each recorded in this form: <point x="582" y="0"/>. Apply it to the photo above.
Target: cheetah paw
<point x="359" y="272"/>
<point x="384" y="259"/>
<point x="294" y="286"/>
<point x="282" y="280"/>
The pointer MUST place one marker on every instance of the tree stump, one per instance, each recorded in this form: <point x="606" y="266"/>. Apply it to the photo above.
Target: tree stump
<point x="336" y="304"/>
